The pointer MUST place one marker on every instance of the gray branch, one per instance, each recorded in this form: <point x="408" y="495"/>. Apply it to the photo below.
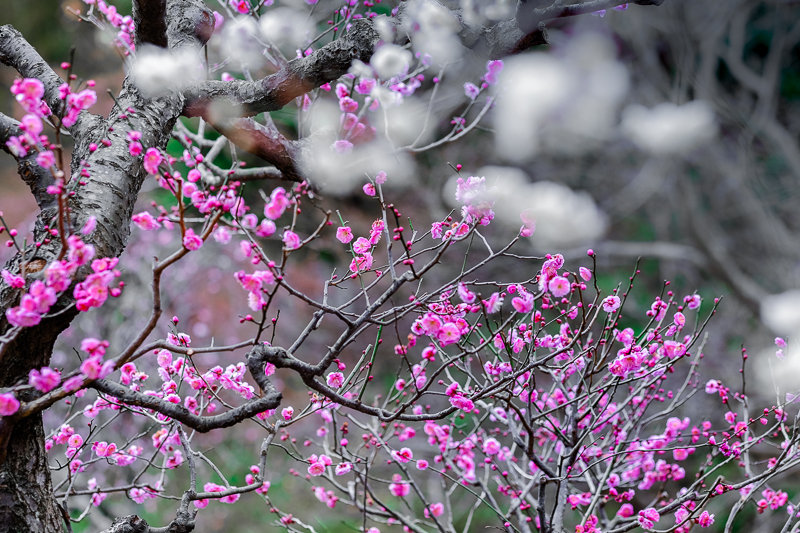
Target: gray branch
<point x="18" y="53"/>
<point x="203" y="424"/>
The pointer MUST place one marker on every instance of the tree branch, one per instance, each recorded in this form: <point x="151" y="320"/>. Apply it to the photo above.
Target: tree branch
<point x="189" y="23"/>
<point x="18" y="53"/>
<point x="203" y="424"/>
<point x="36" y="177"/>
<point x="295" y="79"/>
<point x="150" y="19"/>
<point x="265" y="142"/>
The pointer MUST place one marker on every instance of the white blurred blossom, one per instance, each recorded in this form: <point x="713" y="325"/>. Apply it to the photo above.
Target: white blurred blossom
<point x="240" y="40"/>
<point x="342" y="172"/>
<point x="404" y="121"/>
<point x="564" y="102"/>
<point x="781" y="312"/>
<point x="562" y="217"/>
<point x="156" y="71"/>
<point x="390" y="60"/>
<point x="433" y="29"/>
<point x="669" y="129"/>
<point x="287" y="28"/>
<point x="479" y="12"/>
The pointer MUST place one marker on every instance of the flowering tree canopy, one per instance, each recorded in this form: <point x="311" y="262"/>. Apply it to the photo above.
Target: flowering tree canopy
<point x="236" y="255"/>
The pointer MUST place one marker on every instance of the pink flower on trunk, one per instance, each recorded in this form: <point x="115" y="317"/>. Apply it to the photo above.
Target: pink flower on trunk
<point x="152" y="158"/>
<point x="8" y="404"/>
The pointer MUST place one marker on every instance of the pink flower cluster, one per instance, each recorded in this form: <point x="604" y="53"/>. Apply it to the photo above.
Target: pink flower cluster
<point x="76" y="102"/>
<point x="255" y="284"/>
<point x="28" y="93"/>
<point x="92" y="292"/>
<point x="123" y="23"/>
<point x="362" y="247"/>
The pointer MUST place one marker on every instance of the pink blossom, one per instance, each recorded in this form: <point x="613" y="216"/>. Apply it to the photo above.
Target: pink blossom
<point x="94" y="347"/>
<point x="145" y="221"/>
<point x="399" y="488"/>
<point x="528" y="224"/>
<point x="192" y="241"/>
<point x="361" y="245"/>
<point x="342" y="146"/>
<point x="8" y="404"/>
<point x="89" y="225"/>
<point x="493" y="68"/>
<point x="524" y="302"/>
<point x="45" y="379"/>
<point x="348" y="105"/>
<point x="460" y="402"/>
<point x="403" y="455"/>
<point x="705" y="519"/>
<point x="152" y="159"/>
<point x="24" y="315"/>
<point x="559" y="286"/>
<point x="287" y="413"/>
<point x="46" y="159"/>
<point x="448" y="334"/>
<point x="465" y="294"/>
<point x="625" y="511"/>
<point x="242" y="6"/>
<point x="14" y="281"/>
<point x="493" y="304"/>
<point x="266" y="228"/>
<point x="692" y="301"/>
<point x="369" y="189"/>
<point x="435" y="509"/>
<point x="291" y="240"/>
<point x="648" y="517"/>
<point x="335" y="379"/>
<point x="471" y="90"/>
<point x="585" y="273"/>
<point x="491" y="446"/>
<point x="343" y="468"/>
<point x="316" y="468"/>
<point x="611" y="304"/>
<point x="344" y="234"/>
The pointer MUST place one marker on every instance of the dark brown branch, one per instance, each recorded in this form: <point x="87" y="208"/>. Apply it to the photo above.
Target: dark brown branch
<point x="264" y="141"/>
<point x="150" y="19"/>
<point x="295" y="79"/>
<point x="203" y="424"/>
<point x="36" y="177"/>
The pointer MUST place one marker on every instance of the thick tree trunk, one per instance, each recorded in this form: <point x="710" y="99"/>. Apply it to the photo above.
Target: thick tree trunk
<point x="26" y="492"/>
